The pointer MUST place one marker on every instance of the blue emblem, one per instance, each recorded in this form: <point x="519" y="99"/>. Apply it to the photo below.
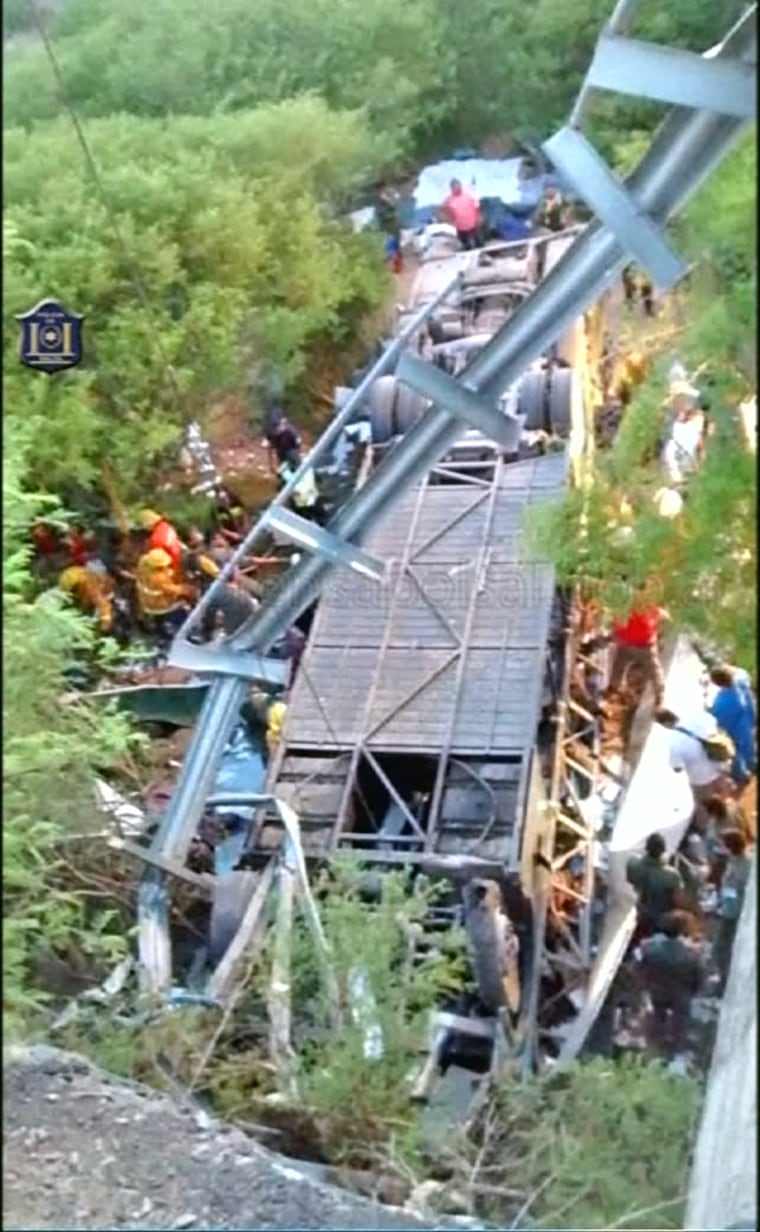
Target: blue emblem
<point x="51" y="337"/>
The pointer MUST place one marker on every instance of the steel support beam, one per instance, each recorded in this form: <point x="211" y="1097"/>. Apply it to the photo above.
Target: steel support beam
<point x="453" y="396"/>
<point x="315" y="538"/>
<point x="685" y="150"/>
<point x="216" y="659"/>
<point x="578" y="162"/>
<point x="328" y="438"/>
<point x="670" y="75"/>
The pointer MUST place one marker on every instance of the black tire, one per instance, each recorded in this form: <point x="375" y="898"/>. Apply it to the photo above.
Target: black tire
<point x="232" y="894"/>
<point x="382" y="401"/>
<point x="435" y="331"/>
<point x="408" y="409"/>
<point x="563" y="392"/>
<point x="532" y="401"/>
<point x="451" y="330"/>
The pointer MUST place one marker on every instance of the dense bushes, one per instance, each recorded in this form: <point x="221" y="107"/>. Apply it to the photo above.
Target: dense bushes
<point x="216" y="252"/>
<point x="704" y="562"/>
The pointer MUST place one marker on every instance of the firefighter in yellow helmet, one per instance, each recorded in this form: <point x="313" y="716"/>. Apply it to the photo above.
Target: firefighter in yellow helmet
<point x="275" y="722"/>
<point x="92" y="589"/>
<point x="161" y="534"/>
<point x="163" y="602"/>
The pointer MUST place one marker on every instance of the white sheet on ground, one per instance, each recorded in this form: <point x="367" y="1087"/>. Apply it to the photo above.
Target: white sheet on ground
<point x="659" y="800"/>
<point x="485" y="177"/>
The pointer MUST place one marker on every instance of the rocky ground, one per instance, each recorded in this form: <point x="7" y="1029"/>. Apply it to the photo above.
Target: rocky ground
<point x="84" y="1150"/>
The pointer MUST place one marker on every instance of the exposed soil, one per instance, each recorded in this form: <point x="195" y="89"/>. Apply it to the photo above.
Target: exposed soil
<point x="82" y="1150"/>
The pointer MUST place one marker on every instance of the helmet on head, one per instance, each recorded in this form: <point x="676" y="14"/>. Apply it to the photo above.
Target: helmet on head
<point x="157" y="558"/>
<point x="148" y="518"/>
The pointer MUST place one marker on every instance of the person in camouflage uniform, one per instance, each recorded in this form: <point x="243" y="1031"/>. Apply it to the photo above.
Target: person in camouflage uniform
<point x="659" y="888"/>
<point x="672" y="973"/>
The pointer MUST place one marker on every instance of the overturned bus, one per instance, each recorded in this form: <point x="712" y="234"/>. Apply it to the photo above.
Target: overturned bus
<point x="422" y="729"/>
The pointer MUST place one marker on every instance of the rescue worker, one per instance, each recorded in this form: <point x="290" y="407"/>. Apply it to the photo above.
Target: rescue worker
<point x="630" y="375"/>
<point x="638" y="286"/>
<point x="672" y="973"/>
<point x="658" y="886"/>
<point x="92" y="589"/>
<point x="48" y="549"/>
<point x="198" y="565"/>
<point x="161" y="534"/>
<point x="275" y="722"/>
<point x="462" y="210"/>
<point x="551" y="211"/>
<point x="305" y="498"/>
<point x="386" y="217"/>
<point x="283" y="443"/>
<point x="684" y="449"/>
<point x="230" y="608"/>
<point x="228" y="515"/>
<point x="636" y="644"/>
<point x="163" y="601"/>
<point x="734" y="709"/>
<point x="80" y="545"/>
<point x="702" y="752"/>
<point x="730" y="901"/>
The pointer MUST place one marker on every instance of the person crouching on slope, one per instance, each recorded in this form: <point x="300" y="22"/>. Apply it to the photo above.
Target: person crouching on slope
<point x="163" y="602"/>
<point x="161" y="534"/>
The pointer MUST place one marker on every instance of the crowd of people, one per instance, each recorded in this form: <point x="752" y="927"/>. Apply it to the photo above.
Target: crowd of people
<point x="462" y="210"/>
<point x="144" y="578"/>
<point x="689" y="904"/>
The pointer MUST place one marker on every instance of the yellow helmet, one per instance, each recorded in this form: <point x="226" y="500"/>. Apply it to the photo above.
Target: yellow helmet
<point x="157" y="558"/>
<point x="71" y="578"/>
<point x="148" y="518"/>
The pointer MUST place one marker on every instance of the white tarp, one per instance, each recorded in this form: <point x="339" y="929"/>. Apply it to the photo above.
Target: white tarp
<point x="659" y="800"/>
<point x="484" y="177"/>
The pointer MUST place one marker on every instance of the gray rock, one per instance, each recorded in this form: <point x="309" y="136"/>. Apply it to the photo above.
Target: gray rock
<point x="139" y="1164"/>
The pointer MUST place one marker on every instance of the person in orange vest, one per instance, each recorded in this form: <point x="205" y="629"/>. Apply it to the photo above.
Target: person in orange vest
<point x="161" y="534"/>
<point x="163" y="601"/>
<point x="92" y="589"/>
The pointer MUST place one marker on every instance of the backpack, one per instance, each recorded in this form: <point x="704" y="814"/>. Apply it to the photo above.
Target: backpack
<point x="718" y="748"/>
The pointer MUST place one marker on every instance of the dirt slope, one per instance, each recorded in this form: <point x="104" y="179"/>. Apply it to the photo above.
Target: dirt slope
<point x="82" y="1150"/>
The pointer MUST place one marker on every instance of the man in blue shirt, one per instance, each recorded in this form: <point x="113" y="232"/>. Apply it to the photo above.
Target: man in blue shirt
<point x="734" y="710"/>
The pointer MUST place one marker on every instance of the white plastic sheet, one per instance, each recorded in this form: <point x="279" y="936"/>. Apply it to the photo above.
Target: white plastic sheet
<point x="659" y="800"/>
<point x="484" y="177"/>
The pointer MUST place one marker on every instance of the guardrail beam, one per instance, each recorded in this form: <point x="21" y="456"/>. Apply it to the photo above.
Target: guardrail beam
<point x="670" y="75"/>
<point x="463" y="403"/>
<point x="578" y="162"/>
<point x="314" y="538"/>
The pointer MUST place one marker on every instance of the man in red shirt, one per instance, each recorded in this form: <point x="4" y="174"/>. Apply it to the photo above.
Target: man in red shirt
<point x="161" y="534"/>
<point x="463" y="210"/>
<point x="635" y="642"/>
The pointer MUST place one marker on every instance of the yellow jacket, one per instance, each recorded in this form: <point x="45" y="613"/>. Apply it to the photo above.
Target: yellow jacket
<point x="275" y="722"/>
<point x="92" y="591"/>
<point x="157" y="591"/>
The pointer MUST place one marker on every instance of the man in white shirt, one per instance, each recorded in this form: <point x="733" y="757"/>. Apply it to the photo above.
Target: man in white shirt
<point x="707" y="778"/>
<point x="685" y="447"/>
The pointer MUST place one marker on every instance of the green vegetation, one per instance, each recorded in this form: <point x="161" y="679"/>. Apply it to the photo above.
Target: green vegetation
<point x="595" y="1144"/>
<point x="599" y="1145"/>
<point x="216" y="249"/>
<point x="702" y="565"/>
<point x="52" y="755"/>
